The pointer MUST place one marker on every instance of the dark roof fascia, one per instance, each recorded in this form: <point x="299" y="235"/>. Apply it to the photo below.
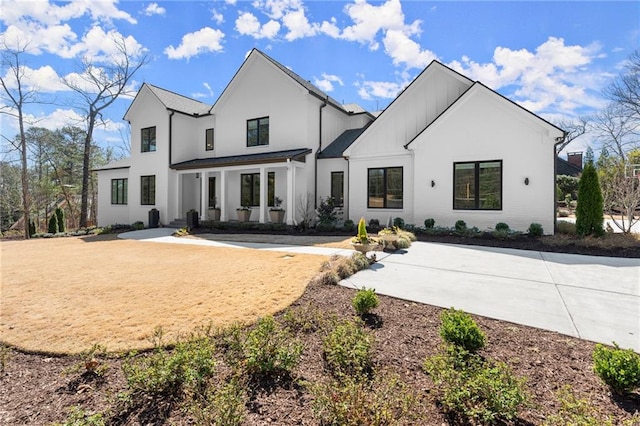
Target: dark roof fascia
<point x="243" y="160"/>
<point x="406" y="146"/>
<point x="193" y="115"/>
<point x="110" y="168"/>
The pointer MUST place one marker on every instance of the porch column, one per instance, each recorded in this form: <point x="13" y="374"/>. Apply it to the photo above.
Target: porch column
<point x="263" y="194"/>
<point x="223" y="196"/>
<point x="203" y="195"/>
<point x="291" y="202"/>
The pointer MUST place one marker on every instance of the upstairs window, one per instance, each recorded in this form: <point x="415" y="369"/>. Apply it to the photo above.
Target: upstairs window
<point x="385" y="188"/>
<point x="148" y="138"/>
<point x="477" y="185"/>
<point x="208" y="137"/>
<point x="258" y="131"/>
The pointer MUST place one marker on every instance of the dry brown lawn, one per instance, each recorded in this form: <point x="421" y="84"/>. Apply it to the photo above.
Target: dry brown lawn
<point x="63" y="295"/>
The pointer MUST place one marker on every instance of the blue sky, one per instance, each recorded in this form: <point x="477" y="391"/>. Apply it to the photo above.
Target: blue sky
<point x="554" y="58"/>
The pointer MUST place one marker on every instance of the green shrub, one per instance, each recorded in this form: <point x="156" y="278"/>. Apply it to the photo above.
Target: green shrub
<point x="307" y="319"/>
<point x="501" y="226"/>
<point x="347" y="350"/>
<point x="365" y="300"/>
<point x="60" y="217"/>
<point x="460" y="227"/>
<point x="327" y="213"/>
<point x="137" y="225"/>
<point x="429" y="223"/>
<point x="79" y="417"/>
<point x="567" y="228"/>
<point x="574" y="411"/>
<point x="353" y="401"/>
<point x="460" y="329"/>
<point x="474" y="390"/>
<point x="398" y="222"/>
<point x="589" y="211"/>
<point x="53" y="224"/>
<point x="221" y="405"/>
<point x="270" y="350"/>
<point x="618" y="368"/>
<point x="374" y="223"/>
<point x="349" y="226"/>
<point x="535" y="230"/>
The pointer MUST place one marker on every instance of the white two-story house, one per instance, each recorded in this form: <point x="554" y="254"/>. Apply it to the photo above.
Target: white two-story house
<point x="446" y="148"/>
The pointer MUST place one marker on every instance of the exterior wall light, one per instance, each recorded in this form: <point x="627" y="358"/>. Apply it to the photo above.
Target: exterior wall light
<point x="526" y="181"/>
<point x="433" y="183"/>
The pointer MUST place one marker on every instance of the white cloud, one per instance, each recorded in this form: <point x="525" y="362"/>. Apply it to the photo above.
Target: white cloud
<point x="217" y="17"/>
<point x="298" y="25"/>
<point x="43" y="80"/>
<point x="207" y="94"/>
<point x="204" y="40"/>
<point x="43" y="12"/>
<point x="370" y="90"/>
<point x="154" y="9"/>
<point x="248" y="24"/>
<point x="277" y="9"/>
<point x="549" y="79"/>
<point x="369" y="20"/>
<point x="405" y="51"/>
<point x="326" y="82"/>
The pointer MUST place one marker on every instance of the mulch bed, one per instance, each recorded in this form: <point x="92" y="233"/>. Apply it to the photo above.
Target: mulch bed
<point x="38" y="389"/>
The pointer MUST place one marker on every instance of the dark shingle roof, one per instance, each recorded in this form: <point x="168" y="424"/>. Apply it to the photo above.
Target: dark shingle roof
<point x="241" y="160"/>
<point x="563" y="167"/>
<point x="342" y="142"/>
<point x="178" y="102"/>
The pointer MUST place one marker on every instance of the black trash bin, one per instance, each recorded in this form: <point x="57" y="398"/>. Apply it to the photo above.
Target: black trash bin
<point x="192" y="219"/>
<point x="154" y="218"/>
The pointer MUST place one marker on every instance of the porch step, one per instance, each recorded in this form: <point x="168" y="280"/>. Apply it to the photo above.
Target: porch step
<point x="177" y="223"/>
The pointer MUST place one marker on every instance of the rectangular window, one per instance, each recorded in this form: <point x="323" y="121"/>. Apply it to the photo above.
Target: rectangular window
<point x="147" y="190"/>
<point x="385" y="188"/>
<point x="148" y="138"/>
<point x="212" y="192"/>
<point x="337" y="188"/>
<point x="258" y="131"/>
<point x="271" y="189"/>
<point x="250" y="189"/>
<point x="208" y="137"/>
<point x="119" y="191"/>
<point x="477" y="185"/>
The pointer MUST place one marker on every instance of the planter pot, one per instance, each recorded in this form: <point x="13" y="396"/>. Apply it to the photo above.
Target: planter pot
<point x="214" y="214"/>
<point x="243" y="215"/>
<point x="192" y="219"/>
<point x="276" y="216"/>
<point x="362" y="248"/>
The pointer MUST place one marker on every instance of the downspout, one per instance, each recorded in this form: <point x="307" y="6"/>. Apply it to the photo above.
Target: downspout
<point x="559" y="140"/>
<point x="170" y="135"/>
<point x="346" y="212"/>
<point x="315" y="168"/>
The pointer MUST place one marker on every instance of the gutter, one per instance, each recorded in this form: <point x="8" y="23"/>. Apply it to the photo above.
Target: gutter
<point x="315" y="168"/>
<point x="559" y="140"/>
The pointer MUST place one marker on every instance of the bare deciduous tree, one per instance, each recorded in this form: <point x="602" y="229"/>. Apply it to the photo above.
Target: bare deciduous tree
<point x="98" y="84"/>
<point x="625" y="90"/>
<point x="574" y="128"/>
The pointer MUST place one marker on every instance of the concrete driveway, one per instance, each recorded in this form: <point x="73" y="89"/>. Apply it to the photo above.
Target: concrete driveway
<point x="590" y="297"/>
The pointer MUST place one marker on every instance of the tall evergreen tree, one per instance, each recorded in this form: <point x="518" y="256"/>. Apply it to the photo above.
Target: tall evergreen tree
<point x="589" y="213"/>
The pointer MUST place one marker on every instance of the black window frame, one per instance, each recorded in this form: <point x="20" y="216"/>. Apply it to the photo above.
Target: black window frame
<point x="338" y="199"/>
<point x="260" y="139"/>
<point x="477" y="191"/>
<point x="212" y="192"/>
<point x="254" y="187"/>
<point x="385" y="188"/>
<point x="119" y="191"/>
<point x="148" y="190"/>
<point x="271" y="189"/>
<point x="148" y="144"/>
<point x="209" y="139"/>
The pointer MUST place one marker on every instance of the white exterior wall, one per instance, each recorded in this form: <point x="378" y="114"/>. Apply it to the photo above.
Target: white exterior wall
<point x="325" y="168"/>
<point x="111" y="214"/>
<point x="484" y="127"/>
<point x="189" y="137"/>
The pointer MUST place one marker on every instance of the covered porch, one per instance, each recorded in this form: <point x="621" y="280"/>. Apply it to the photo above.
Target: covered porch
<point x="253" y="181"/>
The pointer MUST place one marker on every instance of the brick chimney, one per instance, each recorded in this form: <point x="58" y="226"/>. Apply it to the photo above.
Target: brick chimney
<point x="575" y="158"/>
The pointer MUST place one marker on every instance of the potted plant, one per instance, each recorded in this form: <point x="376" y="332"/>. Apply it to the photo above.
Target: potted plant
<point x="214" y="211"/>
<point x="244" y="214"/>
<point x="276" y="213"/>
<point x="362" y="242"/>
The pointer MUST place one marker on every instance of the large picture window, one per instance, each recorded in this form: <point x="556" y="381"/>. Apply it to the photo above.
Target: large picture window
<point x="119" y="191"/>
<point x="337" y="188"/>
<point x="477" y="185"/>
<point x="385" y="188"/>
<point x="148" y="138"/>
<point x="258" y="131"/>
<point x="208" y="138"/>
<point x="147" y="190"/>
<point x="250" y="189"/>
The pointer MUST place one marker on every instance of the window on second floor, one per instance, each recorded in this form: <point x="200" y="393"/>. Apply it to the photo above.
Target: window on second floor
<point x="208" y="137"/>
<point x="258" y="131"/>
<point x="148" y="190"/>
<point x="148" y="139"/>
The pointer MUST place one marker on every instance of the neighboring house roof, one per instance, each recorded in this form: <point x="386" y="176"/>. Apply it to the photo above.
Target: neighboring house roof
<point x="124" y="163"/>
<point x="342" y="142"/>
<point x="241" y="160"/>
<point x="563" y="167"/>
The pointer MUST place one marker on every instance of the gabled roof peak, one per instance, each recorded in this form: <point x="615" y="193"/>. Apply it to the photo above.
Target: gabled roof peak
<point x="177" y="102"/>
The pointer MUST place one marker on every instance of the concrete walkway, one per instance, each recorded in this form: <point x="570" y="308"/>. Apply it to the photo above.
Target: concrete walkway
<point x="593" y="298"/>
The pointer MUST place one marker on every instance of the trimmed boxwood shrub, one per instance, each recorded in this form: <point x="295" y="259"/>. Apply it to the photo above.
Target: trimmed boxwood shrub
<point x="460" y="329"/>
<point x="535" y="230"/>
<point x="618" y="368"/>
<point x="429" y="223"/>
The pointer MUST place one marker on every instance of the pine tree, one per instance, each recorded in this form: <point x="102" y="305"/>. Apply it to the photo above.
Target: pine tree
<point x="60" y="217"/>
<point x="53" y="224"/>
<point x="589" y="212"/>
